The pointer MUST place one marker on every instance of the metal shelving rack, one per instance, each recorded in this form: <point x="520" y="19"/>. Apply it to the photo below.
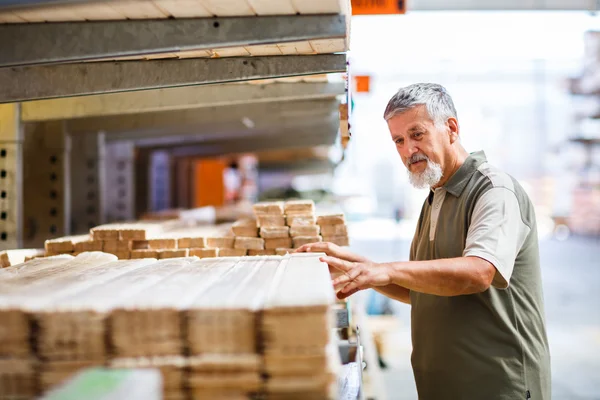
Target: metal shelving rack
<point x="86" y="104"/>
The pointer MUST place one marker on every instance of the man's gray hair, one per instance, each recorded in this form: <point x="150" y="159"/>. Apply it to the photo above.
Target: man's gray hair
<point x="435" y="97"/>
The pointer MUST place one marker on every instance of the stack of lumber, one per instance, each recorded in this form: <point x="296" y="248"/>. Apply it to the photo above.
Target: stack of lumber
<point x="14" y="257"/>
<point x="212" y="327"/>
<point x="279" y="227"/>
<point x="160" y="240"/>
<point x="276" y="229"/>
<point x="223" y="326"/>
<point x="299" y="358"/>
<point x="334" y="229"/>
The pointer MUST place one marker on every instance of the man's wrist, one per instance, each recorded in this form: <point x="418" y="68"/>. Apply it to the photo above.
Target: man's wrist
<point x="393" y="271"/>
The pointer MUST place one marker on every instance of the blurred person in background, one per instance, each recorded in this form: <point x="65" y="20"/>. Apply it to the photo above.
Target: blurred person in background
<point x="473" y="279"/>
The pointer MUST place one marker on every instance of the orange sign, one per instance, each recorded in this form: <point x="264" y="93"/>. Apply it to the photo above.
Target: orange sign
<point x="363" y="83"/>
<point x="372" y="7"/>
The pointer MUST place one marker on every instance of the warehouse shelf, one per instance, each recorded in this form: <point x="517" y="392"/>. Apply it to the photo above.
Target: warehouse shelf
<point x="93" y="90"/>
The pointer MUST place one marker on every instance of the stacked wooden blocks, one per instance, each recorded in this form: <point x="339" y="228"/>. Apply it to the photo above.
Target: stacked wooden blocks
<point x="284" y="226"/>
<point x="149" y="240"/>
<point x="223" y="326"/>
<point x="296" y="321"/>
<point x="334" y="229"/>
<point x="212" y="327"/>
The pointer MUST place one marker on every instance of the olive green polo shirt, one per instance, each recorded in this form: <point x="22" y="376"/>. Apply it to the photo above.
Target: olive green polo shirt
<point x="489" y="345"/>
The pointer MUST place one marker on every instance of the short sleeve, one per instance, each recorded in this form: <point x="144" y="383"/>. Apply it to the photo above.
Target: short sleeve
<point x="497" y="232"/>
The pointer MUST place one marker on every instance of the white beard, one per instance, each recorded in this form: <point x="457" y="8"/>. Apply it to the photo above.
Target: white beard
<point x="430" y="177"/>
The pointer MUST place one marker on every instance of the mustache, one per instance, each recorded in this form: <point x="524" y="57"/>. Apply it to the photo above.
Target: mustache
<point x="416" y="158"/>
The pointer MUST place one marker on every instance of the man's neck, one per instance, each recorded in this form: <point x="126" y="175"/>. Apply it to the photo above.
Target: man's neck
<point x="456" y="160"/>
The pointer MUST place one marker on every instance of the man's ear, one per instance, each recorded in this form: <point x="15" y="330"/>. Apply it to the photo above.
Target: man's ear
<point x="453" y="129"/>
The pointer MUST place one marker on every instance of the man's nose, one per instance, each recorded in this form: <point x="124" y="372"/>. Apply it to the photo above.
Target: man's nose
<point x="409" y="150"/>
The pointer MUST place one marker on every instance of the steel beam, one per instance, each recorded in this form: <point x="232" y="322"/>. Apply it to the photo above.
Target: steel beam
<point x="309" y="166"/>
<point x="51" y="81"/>
<point x="212" y="120"/>
<point x="46" y="183"/>
<point x="11" y="177"/>
<point x="287" y="140"/>
<point x="30" y="44"/>
<point x="87" y="158"/>
<point x="292" y="130"/>
<point x="179" y="98"/>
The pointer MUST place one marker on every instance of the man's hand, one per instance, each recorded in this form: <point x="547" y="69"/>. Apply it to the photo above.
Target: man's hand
<point x="331" y="250"/>
<point x="356" y="276"/>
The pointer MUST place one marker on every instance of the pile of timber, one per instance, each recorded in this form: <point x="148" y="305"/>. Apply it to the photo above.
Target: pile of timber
<point x="280" y="227"/>
<point x="159" y="240"/>
<point x="215" y="328"/>
<point x="277" y="229"/>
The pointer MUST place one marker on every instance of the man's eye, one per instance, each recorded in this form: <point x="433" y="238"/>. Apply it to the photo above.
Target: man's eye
<point x="418" y="134"/>
<point x="399" y="141"/>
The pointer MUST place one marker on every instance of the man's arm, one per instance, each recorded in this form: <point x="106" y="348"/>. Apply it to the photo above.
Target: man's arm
<point x="444" y="277"/>
<point x="392" y="291"/>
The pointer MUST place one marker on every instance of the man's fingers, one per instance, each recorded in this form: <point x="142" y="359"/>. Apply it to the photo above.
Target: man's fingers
<point x="303" y="249"/>
<point x="341" y="280"/>
<point x="337" y="263"/>
<point x="348" y="276"/>
<point x="355" y="284"/>
<point x="342" y="295"/>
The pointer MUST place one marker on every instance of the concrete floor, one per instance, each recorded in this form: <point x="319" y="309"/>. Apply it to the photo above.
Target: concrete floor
<point x="571" y="276"/>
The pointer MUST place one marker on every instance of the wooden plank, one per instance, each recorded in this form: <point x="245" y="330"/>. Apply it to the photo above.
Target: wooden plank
<point x="148" y="324"/>
<point x="318" y="6"/>
<point x="274" y="232"/>
<point x="227" y="8"/>
<point x="39" y="276"/>
<point x="299" y="207"/>
<point x="324" y="46"/>
<point x="14" y="257"/>
<point x="33" y="265"/>
<point x="299" y="305"/>
<point x="133" y="9"/>
<point x="302" y="240"/>
<point x="334" y="230"/>
<point x="271" y="244"/>
<point x="296" y="48"/>
<point x="64" y="244"/>
<point x="220" y="242"/>
<point x="182" y="8"/>
<point x="270" y="220"/>
<point x="222" y="319"/>
<point x="264" y="50"/>
<point x="272" y="7"/>
<point x="8" y="17"/>
<point x="304" y="230"/>
<point x="25" y="288"/>
<point x="331" y="219"/>
<point x="230" y="52"/>
<point x="304" y="282"/>
<point x="18" y="378"/>
<point x="74" y="327"/>
<point x="248" y="243"/>
<point x="96" y="12"/>
<point x="195" y="54"/>
<point x="268" y="207"/>
<point x="47" y="14"/>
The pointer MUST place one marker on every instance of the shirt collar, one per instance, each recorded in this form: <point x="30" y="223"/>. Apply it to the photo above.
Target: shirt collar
<point x="457" y="182"/>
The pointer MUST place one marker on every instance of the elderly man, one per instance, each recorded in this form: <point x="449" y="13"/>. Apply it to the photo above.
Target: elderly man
<point x="473" y="279"/>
